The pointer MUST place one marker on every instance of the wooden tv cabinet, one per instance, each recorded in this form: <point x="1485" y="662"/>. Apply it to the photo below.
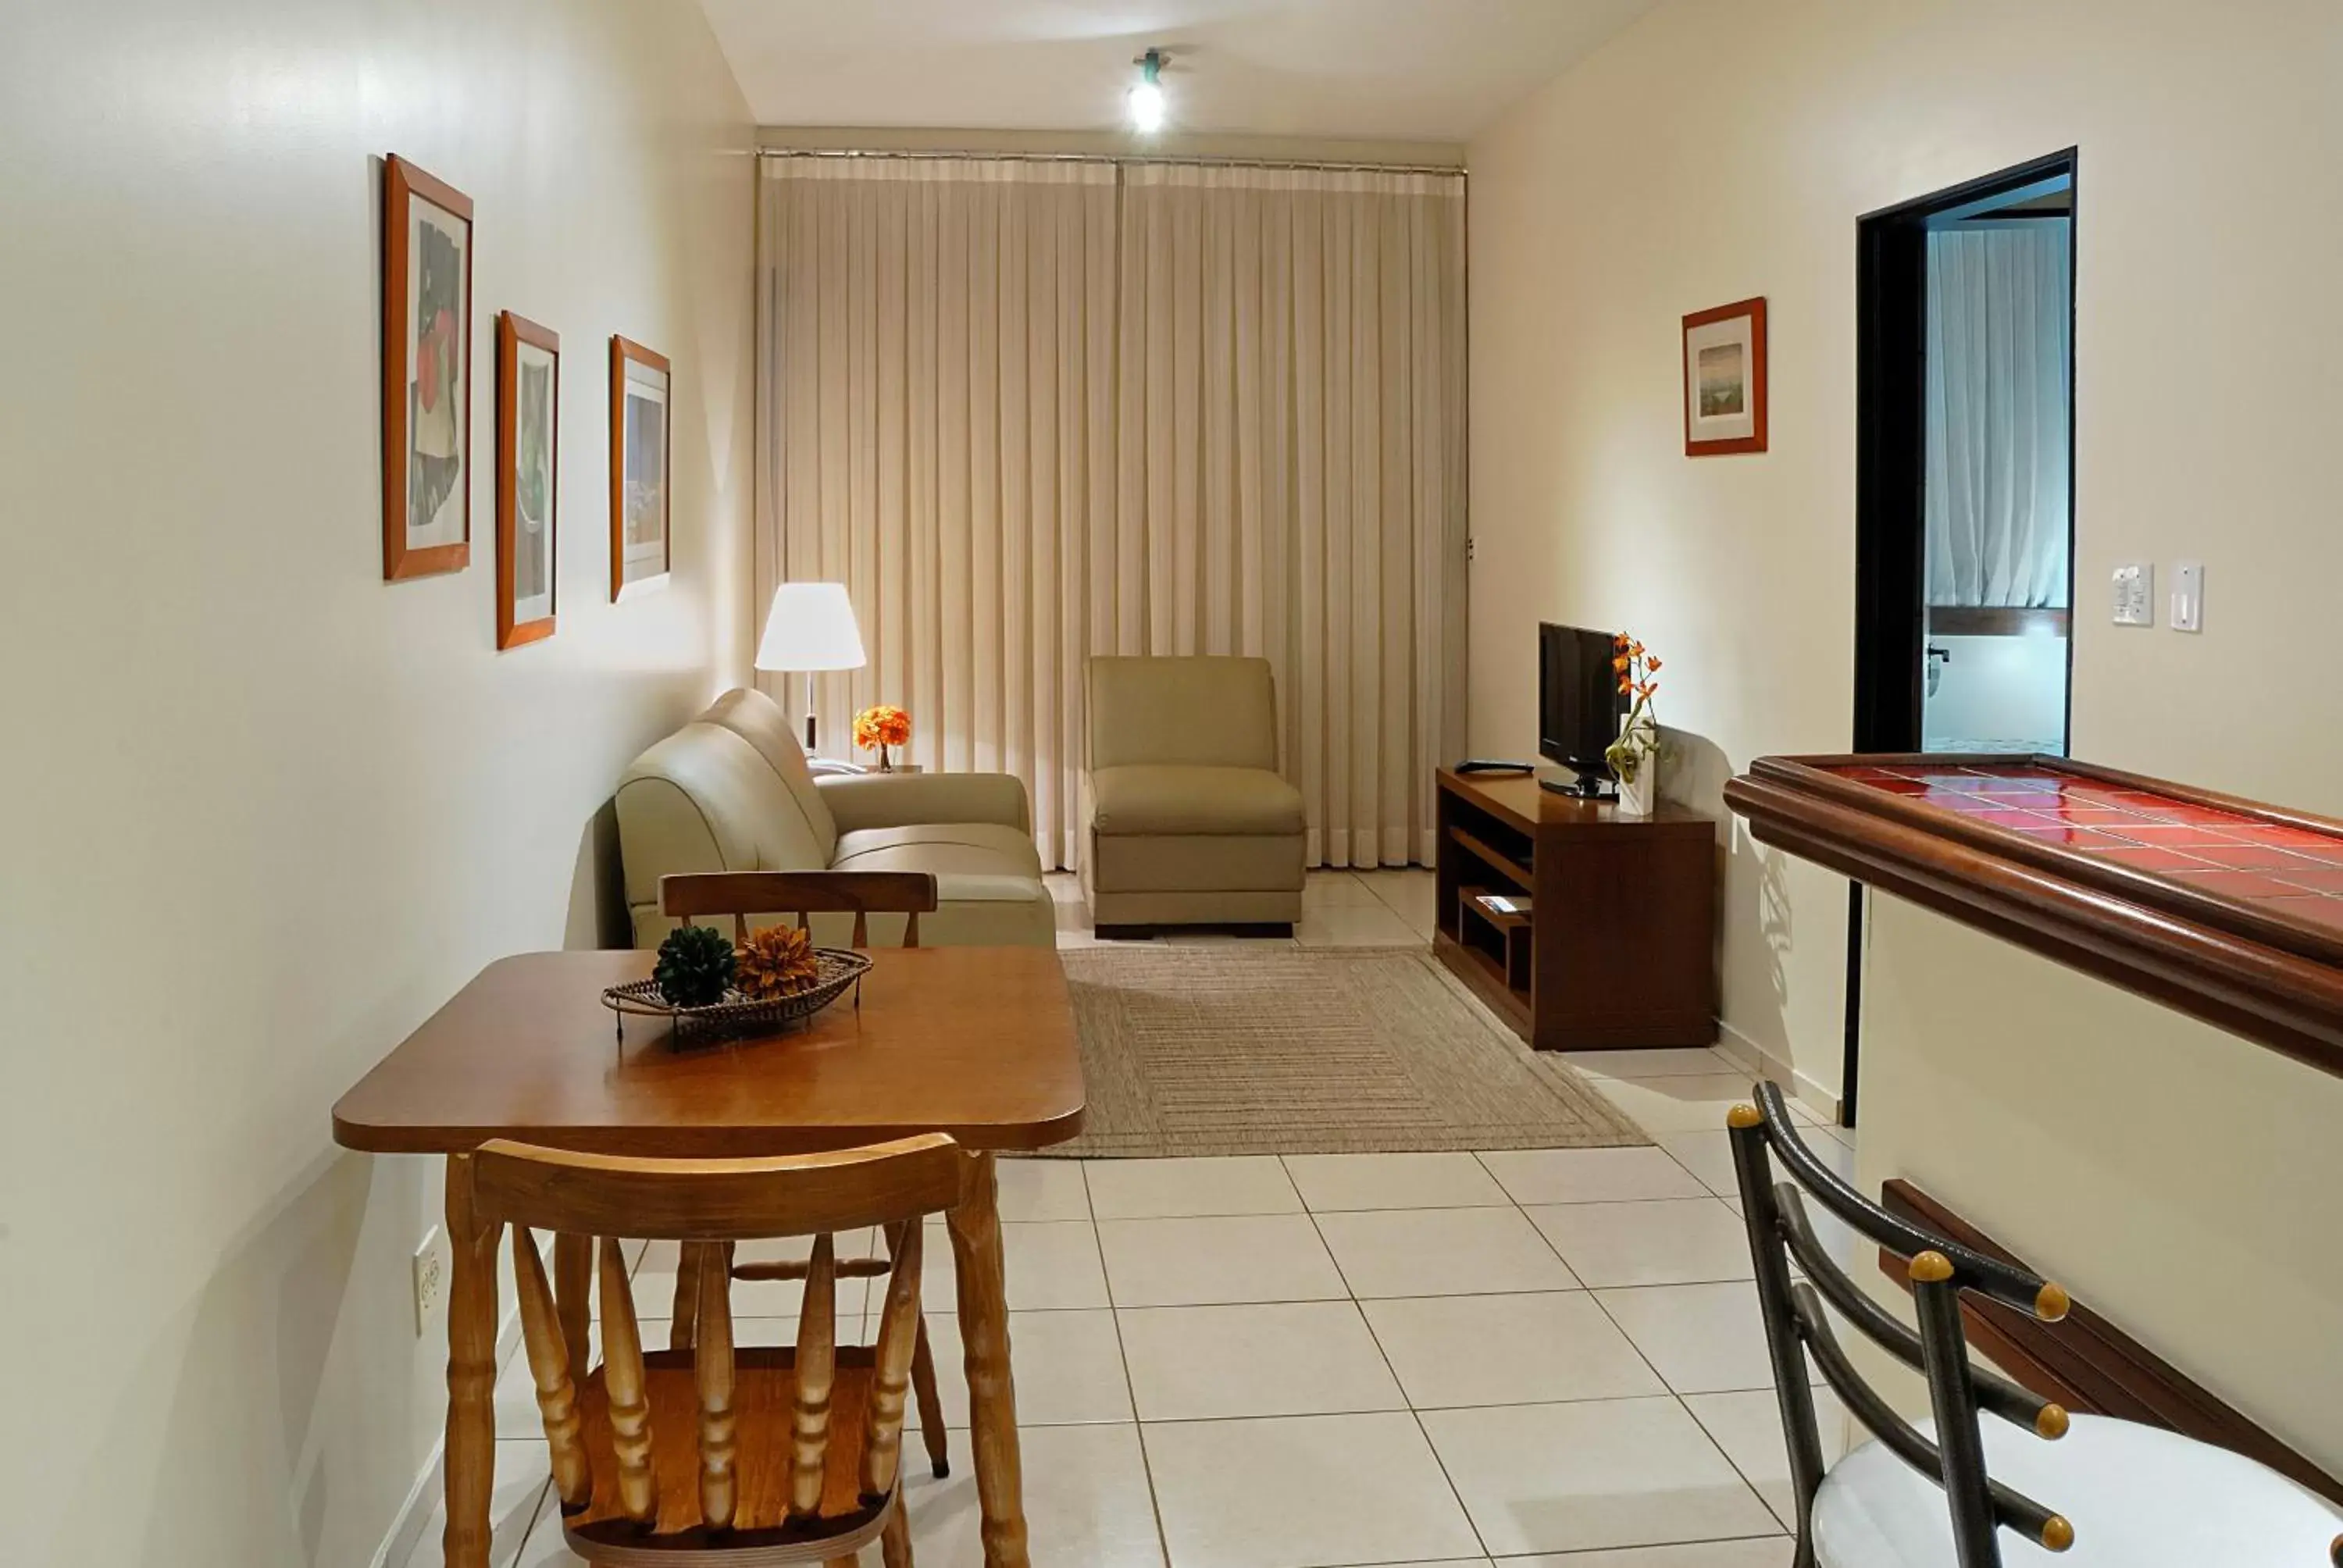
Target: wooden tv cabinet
<point x="1618" y="948"/>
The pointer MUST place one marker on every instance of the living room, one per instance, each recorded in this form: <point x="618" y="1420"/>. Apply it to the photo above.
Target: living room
<point x="1177" y="427"/>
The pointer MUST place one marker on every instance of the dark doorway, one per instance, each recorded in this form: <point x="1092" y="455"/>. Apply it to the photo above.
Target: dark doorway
<point x="1963" y="553"/>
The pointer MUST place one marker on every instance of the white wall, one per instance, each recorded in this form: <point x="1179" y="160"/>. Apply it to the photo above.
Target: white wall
<point x="263" y="811"/>
<point x="1719" y="149"/>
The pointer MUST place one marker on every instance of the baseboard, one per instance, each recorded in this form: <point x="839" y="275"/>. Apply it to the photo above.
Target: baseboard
<point x="406" y="1526"/>
<point x="1747" y="1053"/>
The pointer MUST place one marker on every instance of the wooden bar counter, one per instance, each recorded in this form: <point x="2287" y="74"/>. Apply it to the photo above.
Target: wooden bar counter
<point x="2227" y="909"/>
<point x="2102" y="1027"/>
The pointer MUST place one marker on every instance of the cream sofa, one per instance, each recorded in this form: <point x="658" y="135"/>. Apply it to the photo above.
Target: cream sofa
<point x="1185" y="819"/>
<point x="730" y="792"/>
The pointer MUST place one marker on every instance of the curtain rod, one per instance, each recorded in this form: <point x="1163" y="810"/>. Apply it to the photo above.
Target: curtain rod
<point x="1199" y="160"/>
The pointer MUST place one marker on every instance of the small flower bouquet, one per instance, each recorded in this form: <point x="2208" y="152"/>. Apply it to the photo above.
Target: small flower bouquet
<point x="1635" y="757"/>
<point x="879" y="728"/>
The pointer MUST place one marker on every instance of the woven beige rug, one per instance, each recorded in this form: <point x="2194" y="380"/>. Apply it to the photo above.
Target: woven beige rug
<point x="1245" y="1049"/>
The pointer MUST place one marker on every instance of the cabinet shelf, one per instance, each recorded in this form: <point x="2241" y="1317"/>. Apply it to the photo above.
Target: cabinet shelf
<point x="1512" y="870"/>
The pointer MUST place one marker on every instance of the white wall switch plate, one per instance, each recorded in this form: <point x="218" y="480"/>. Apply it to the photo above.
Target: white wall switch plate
<point x="2135" y="585"/>
<point x="2188" y="596"/>
<point x="431" y="1265"/>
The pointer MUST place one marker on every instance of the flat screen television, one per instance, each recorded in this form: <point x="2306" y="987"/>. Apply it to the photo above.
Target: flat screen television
<point x="1578" y="703"/>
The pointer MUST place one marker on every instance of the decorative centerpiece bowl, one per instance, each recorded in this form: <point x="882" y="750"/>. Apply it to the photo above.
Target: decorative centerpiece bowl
<point x="736" y="1013"/>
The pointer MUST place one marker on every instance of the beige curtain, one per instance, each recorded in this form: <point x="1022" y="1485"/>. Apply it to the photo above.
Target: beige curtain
<point x="1031" y="410"/>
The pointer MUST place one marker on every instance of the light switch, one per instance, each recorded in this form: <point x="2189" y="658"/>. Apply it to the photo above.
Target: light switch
<point x="2135" y="584"/>
<point x="2188" y="596"/>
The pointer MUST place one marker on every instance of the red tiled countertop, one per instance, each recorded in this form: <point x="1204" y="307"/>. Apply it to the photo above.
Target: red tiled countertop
<point x="2227" y="909"/>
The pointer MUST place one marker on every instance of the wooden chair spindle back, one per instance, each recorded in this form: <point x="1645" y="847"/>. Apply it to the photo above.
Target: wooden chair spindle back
<point x="707" y="1206"/>
<point x="740" y="894"/>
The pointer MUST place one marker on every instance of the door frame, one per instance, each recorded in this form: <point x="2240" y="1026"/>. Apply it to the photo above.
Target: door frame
<point x="1891" y="412"/>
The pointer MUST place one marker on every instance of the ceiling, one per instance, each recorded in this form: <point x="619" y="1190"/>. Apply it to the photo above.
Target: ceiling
<point x="1420" y="70"/>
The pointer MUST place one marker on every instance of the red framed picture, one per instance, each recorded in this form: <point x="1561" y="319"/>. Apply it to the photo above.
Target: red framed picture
<point x="427" y="373"/>
<point x="639" y="544"/>
<point x="1725" y="379"/>
<point x="528" y="430"/>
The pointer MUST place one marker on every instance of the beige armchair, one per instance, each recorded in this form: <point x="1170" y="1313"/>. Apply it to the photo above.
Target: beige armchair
<point x="1185" y="819"/>
<point x="730" y="792"/>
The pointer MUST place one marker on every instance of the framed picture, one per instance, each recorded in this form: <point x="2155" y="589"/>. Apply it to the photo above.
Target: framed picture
<point x="1725" y="379"/>
<point x="639" y="469"/>
<point x="427" y="373"/>
<point x="528" y="421"/>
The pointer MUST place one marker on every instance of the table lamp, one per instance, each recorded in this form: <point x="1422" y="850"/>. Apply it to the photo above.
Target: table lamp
<point x="810" y="628"/>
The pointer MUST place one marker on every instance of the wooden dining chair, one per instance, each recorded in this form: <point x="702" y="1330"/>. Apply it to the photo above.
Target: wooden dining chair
<point x="1959" y="1492"/>
<point x="718" y="1455"/>
<point x="740" y="895"/>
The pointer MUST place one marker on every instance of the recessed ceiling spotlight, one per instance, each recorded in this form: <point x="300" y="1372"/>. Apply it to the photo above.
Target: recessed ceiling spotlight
<point x="1144" y="102"/>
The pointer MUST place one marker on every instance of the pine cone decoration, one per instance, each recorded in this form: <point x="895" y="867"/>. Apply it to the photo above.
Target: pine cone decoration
<point x="777" y="961"/>
<point x="694" y="968"/>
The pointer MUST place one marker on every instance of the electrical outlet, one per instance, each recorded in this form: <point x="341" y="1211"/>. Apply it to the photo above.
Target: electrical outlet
<point x="2134" y="585"/>
<point x="431" y="1265"/>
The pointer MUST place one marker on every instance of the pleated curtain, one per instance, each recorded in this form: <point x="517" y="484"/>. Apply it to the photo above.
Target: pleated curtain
<point x="1999" y="332"/>
<point x="1032" y="411"/>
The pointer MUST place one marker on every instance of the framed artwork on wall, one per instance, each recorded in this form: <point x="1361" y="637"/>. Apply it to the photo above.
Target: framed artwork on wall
<point x="427" y="373"/>
<point x="639" y="544"/>
<point x="1725" y="379"/>
<point x="528" y="423"/>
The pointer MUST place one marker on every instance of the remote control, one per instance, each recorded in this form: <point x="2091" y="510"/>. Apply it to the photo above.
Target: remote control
<point x="1493" y="765"/>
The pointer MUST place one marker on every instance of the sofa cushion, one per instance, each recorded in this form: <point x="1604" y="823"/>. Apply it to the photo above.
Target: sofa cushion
<point x="757" y="719"/>
<point x="1155" y="800"/>
<point x="945" y="849"/>
<point x="702" y="800"/>
<point x="989" y="887"/>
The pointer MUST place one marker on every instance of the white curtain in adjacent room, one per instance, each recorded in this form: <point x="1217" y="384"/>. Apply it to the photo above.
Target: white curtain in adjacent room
<point x="2000" y="324"/>
<point x="1033" y="410"/>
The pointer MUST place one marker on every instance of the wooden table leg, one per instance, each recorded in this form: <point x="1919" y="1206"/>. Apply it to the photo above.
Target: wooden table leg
<point x="573" y="1278"/>
<point x="975" y="1227"/>
<point x="471" y="1452"/>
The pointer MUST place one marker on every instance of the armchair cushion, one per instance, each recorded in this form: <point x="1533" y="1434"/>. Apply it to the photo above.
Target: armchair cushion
<point x="1209" y="712"/>
<point x="1167" y="799"/>
<point x="859" y="802"/>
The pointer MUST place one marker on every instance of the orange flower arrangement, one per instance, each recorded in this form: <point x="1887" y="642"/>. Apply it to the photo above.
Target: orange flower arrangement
<point x="776" y="961"/>
<point x="1638" y="669"/>
<point x="878" y="727"/>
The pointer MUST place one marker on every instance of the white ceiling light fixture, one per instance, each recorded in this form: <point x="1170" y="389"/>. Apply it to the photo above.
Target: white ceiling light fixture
<point x="1145" y="103"/>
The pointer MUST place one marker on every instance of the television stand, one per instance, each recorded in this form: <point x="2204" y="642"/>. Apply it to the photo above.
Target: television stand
<point x="1575" y="785"/>
<point x="1611" y="938"/>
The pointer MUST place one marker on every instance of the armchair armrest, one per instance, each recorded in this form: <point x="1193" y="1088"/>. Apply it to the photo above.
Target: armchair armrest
<point x="902" y="799"/>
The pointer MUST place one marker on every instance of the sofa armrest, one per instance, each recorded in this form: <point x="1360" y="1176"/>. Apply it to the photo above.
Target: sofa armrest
<point x="903" y="799"/>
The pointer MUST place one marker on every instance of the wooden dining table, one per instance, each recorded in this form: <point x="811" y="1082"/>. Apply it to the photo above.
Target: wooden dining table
<point x="976" y="1042"/>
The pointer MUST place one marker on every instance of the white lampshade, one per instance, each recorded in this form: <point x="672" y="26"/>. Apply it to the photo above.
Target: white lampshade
<point x="811" y="626"/>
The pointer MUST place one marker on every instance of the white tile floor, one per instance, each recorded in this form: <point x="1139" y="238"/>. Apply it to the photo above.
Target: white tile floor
<point x="1543" y="1358"/>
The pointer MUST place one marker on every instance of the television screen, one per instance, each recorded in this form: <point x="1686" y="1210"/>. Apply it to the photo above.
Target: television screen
<point x="1578" y="698"/>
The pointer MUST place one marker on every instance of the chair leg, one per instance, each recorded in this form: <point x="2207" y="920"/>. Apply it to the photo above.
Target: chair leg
<point x="895" y="1542"/>
<point x="684" y="1323"/>
<point x="931" y="1404"/>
